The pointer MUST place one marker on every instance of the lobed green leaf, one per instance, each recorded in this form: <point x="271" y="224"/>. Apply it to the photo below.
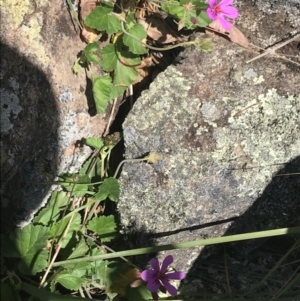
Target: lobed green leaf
<point x="139" y="32"/>
<point x="58" y="229"/>
<point x="105" y="226"/>
<point x="110" y="188"/>
<point x="28" y="244"/>
<point x="89" y="52"/>
<point x="70" y="281"/>
<point x="102" y="88"/>
<point x="102" y="19"/>
<point x="96" y="143"/>
<point x="51" y="212"/>
<point x="77" y="184"/>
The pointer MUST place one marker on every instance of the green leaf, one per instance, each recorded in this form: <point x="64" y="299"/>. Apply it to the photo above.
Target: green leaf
<point x="101" y="269"/>
<point x="105" y="226"/>
<point x="58" y="229"/>
<point x="138" y="293"/>
<point x="173" y="8"/>
<point x="101" y="18"/>
<point x="76" y="66"/>
<point x="51" y="212"/>
<point x="89" y="52"/>
<point x="6" y="293"/>
<point x="124" y="65"/>
<point x="119" y="275"/>
<point x="130" y="20"/>
<point x="125" y="73"/>
<point x="102" y="87"/>
<point x="92" y="168"/>
<point x="96" y="143"/>
<point x="75" y="183"/>
<point x="79" y="269"/>
<point x="109" y="57"/>
<point x="139" y="32"/>
<point x="80" y="250"/>
<point x="45" y="295"/>
<point x="203" y="19"/>
<point x="86" y="166"/>
<point x="191" y="13"/>
<point x="110" y="188"/>
<point x="29" y="244"/>
<point x="70" y="281"/>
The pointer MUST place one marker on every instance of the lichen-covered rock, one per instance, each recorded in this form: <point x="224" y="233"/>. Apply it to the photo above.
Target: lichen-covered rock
<point x="44" y="108"/>
<point x="224" y="130"/>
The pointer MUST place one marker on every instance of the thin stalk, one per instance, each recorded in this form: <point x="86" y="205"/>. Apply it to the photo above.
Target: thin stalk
<point x="57" y="250"/>
<point x="74" y="13"/>
<point x="157" y="48"/>
<point x="183" y="245"/>
<point x="128" y="160"/>
<point x="227" y="274"/>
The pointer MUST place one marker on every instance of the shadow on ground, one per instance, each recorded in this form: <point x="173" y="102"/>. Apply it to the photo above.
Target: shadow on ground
<point x="232" y="269"/>
<point x="235" y="267"/>
<point x="29" y="121"/>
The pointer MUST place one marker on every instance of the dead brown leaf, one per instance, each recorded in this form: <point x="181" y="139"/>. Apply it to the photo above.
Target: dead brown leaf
<point x="89" y="34"/>
<point x="158" y="30"/>
<point x="234" y="34"/>
<point x="144" y="69"/>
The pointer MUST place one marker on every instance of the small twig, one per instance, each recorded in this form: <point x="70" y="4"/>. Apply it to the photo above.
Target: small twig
<point x="110" y="117"/>
<point x="74" y="14"/>
<point x="131" y="95"/>
<point x="288" y="174"/>
<point x="128" y="160"/>
<point x="57" y="250"/>
<point x="273" y="49"/>
<point x="111" y="250"/>
<point x="227" y="274"/>
<point x="87" y="292"/>
<point x="81" y="292"/>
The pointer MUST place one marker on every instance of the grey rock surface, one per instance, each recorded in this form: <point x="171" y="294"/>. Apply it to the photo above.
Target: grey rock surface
<point x="226" y="131"/>
<point x="44" y="107"/>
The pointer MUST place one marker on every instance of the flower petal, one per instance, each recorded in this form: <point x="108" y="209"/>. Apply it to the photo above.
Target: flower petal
<point x="230" y="12"/>
<point x="225" y="24"/>
<point x="155" y="264"/>
<point x="170" y="288"/>
<point x="212" y="3"/>
<point x="211" y="14"/>
<point x="225" y="3"/>
<point x="148" y="275"/>
<point x="167" y="261"/>
<point x="153" y="285"/>
<point x="175" y="275"/>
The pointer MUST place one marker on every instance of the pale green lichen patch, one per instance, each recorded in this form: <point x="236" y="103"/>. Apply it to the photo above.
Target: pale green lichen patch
<point x="36" y="45"/>
<point x="24" y="25"/>
<point x="15" y="10"/>
<point x="217" y="156"/>
<point x="258" y="80"/>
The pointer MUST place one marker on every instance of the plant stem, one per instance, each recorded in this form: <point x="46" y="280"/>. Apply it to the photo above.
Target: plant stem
<point x="128" y="160"/>
<point x="183" y="245"/>
<point x="157" y="48"/>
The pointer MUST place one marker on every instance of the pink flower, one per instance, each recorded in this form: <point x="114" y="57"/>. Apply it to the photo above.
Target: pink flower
<point x="219" y="9"/>
<point x="158" y="276"/>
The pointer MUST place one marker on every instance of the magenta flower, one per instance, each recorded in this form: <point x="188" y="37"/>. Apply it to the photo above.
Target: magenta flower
<point x="158" y="277"/>
<point x="218" y="10"/>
